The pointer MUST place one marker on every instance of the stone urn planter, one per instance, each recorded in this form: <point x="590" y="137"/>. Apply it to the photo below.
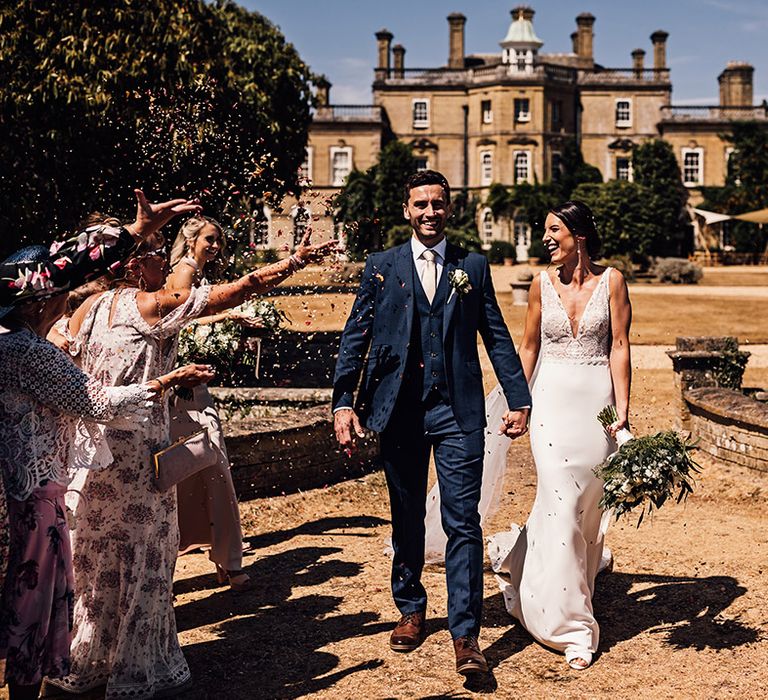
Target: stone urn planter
<point x="520" y="287"/>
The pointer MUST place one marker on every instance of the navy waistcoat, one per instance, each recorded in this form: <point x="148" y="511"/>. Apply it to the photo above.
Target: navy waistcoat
<point x="426" y="356"/>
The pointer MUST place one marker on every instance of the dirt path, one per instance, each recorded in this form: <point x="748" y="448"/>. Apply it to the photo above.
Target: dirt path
<point x="683" y="615"/>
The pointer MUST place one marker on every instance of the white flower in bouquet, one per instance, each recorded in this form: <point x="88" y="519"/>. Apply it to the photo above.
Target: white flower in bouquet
<point x="644" y="471"/>
<point x="264" y="311"/>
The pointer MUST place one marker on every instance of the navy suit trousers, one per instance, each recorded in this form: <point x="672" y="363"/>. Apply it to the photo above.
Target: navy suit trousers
<point x="415" y="430"/>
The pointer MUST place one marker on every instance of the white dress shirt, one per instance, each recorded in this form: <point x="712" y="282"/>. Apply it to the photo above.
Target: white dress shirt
<point x="417" y="248"/>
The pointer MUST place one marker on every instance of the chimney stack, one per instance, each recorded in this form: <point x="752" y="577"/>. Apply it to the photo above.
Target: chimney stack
<point x="585" y="49"/>
<point x="638" y="62"/>
<point x="398" y="55"/>
<point x="575" y="42"/>
<point x="383" y="41"/>
<point x="736" y="85"/>
<point x="659" y="39"/>
<point x="323" y="91"/>
<point x="456" y="23"/>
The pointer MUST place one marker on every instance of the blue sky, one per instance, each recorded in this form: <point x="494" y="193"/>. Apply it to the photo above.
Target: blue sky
<point x="335" y="37"/>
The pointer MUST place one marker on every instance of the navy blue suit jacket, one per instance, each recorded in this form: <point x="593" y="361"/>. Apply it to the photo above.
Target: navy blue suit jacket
<point x="377" y="334"/>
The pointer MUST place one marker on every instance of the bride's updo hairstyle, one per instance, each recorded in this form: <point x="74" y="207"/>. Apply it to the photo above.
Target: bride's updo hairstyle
<point x="580" y="221"/>
<point x="188" y="233"/>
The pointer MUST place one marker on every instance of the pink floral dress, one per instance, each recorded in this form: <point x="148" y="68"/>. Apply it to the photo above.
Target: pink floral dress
<point x="126" y="540"/>
<point x="43" y="399"/>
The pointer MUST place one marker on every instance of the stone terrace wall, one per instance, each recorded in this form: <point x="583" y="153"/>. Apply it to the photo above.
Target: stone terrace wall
<point x="287" y="444"/>
<point x="729" y="426"/>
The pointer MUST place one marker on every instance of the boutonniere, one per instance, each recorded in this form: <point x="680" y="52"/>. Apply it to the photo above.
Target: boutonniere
<point x="459" y="280"/>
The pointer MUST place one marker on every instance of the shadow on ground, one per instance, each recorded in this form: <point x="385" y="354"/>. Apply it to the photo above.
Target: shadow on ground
<point x="273" y="648"/>
<point x="688" y="611"/>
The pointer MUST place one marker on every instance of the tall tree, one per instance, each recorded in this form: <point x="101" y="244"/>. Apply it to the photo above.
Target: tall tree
<point x="656" y="168"/>
<point x="574" y="171"/>
<point x="370" y="204"/>
<point x="626" y="224"/>
<point x="179" y="97"/>
<point x="356" y="210"/>
<point x="746" y="185"/>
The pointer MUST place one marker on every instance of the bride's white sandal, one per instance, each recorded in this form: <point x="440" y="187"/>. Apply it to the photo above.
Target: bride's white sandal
<point x="579" y="660"/>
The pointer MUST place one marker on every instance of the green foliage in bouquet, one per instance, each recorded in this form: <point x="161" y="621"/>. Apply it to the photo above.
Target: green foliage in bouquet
<point x="222" y="345"/>
<point x="646" y="471"/>
<point x="213" y="344"/>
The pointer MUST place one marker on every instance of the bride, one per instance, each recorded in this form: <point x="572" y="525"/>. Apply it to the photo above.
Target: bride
<point x="575" y="354"/>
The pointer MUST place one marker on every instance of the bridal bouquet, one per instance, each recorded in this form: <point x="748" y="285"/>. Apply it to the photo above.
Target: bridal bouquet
<point x="645" y="471"/>
<point x="217" y="343"/>
<point x="265" y="312"/>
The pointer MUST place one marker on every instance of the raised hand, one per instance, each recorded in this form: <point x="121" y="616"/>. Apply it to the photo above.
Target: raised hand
<point x="191" y="375"/>
<point x="347" y="427"/>
<point x="150" y="217"/>
<point x="308" y="253"/>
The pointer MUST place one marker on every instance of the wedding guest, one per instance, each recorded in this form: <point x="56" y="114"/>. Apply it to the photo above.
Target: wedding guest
<point x="208" y="511"/>
<point x="125" y="550"/>
<point x="31" y="275"/>
<point x="575" y="353"/>
<point x="42" y="397"/>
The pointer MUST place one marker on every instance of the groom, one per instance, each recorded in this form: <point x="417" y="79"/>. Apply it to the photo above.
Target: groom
<point x="412" y="333"/>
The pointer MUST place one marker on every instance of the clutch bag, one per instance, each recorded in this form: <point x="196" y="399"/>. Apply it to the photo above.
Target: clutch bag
<point x="182" y="459"/>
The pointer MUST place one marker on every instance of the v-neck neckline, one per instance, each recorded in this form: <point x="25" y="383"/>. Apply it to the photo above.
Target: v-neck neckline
<point x="575" y="335"/>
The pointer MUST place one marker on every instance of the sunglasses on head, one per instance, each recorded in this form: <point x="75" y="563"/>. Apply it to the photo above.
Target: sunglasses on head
<point x="159" y="252"/>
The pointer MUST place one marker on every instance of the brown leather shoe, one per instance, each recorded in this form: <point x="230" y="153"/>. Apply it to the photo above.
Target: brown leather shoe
<point x="409" y="632"/>
<point x="469" y="658"/>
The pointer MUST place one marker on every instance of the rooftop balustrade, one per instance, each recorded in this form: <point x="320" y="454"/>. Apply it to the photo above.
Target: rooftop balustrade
<point x="715" y="113"/>
<point x="348" y="113"/>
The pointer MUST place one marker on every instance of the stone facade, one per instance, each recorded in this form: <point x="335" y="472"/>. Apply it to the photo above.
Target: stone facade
<point x="503" y="117"/>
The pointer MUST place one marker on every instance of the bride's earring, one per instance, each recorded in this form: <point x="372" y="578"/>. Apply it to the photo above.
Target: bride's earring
<point x="142" y="283"/>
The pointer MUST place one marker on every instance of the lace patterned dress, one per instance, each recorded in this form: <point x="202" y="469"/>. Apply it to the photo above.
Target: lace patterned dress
<point x="126" y="540"/>
<point x="547" y="569"/>
<point x="43" y="397"/>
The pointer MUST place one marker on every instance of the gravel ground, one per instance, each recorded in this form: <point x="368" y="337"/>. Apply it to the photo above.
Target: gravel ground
<point x="683" y="615"/>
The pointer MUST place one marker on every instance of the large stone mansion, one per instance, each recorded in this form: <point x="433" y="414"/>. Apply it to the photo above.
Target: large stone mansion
<point x="504" y="116"/>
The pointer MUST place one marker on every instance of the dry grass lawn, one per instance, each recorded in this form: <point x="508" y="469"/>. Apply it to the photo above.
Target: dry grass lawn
<point x="657" y="319"/>
<point x="683" y="615"/>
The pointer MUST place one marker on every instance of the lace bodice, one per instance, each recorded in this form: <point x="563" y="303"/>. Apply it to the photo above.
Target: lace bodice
<point x="591" y="345"/>
<point x="42" y="397"/>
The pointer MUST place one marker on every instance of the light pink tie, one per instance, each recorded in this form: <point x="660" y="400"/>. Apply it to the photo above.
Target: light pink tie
<point x="429" y="278"/>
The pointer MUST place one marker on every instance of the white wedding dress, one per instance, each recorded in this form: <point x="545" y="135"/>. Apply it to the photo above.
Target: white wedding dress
<point x="547" y="569"/>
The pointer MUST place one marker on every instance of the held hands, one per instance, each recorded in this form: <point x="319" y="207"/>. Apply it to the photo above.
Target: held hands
<point x="308" y="253"/>
<point x="152" y="217"/>
<point x="514" y="423"/>
<point x="347" y="426"/>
